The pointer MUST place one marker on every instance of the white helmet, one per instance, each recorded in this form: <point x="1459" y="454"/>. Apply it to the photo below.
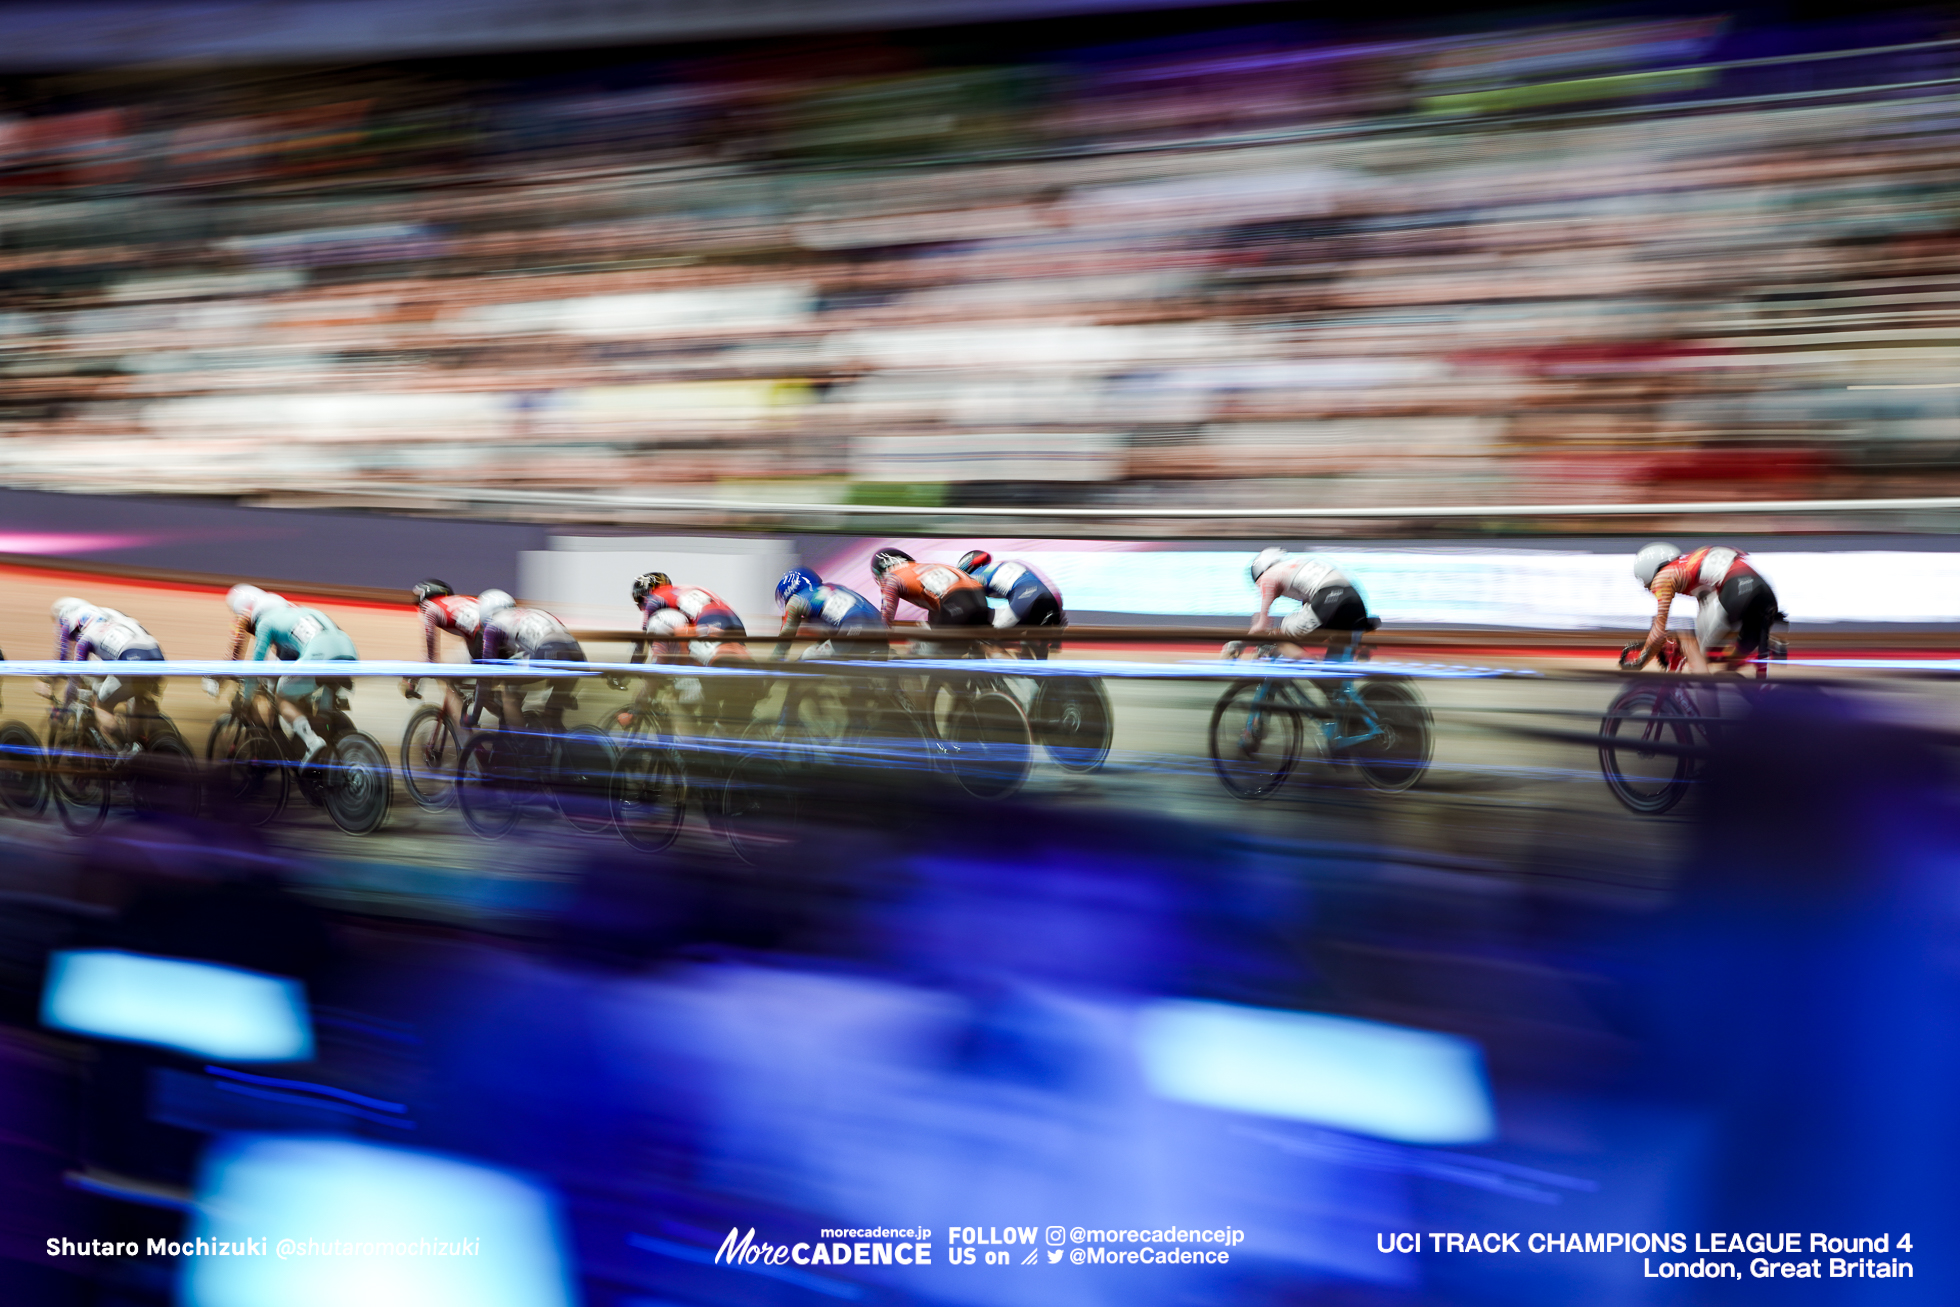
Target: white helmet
<point x="240" y="599"/>
<point x="492" y="602"/>
<point x="265" y="603"/>
<point x="1651" y="559"/>
<point x="72" y="614"/>
<point x="1260" y="565"/>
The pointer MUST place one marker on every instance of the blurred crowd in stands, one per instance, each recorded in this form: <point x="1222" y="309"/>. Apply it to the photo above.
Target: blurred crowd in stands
<point x="1595" y="262"/>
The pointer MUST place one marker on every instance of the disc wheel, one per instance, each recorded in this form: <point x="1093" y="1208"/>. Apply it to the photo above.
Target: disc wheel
<point x="1254" y="745"/>
<point x="649" y="796"/>
<point x="488" y="790"/>
<point x="1397" y="757"/>
<point x="1647" y="749"/>
<point x="23" y="774"/>
<point x="759" y="807"/>
<point x="249" y="779"/>
<point x="989" y="745"/>
<point x="163" y="777"/>
<point x="430" y="748"/>
<point x="358" y="785"/>
<point x="1071" y="718"/>
<point x="80" y="779"/>
<point x="582" y="778"/>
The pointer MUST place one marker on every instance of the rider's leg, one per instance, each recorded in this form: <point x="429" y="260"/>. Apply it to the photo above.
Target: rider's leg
<point x="298" y="725"/>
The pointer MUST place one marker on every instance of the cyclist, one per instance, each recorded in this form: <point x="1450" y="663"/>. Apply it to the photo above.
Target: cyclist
<point x="293" y="633"/>
<point x="950" y="597"/>
<point x="1031" y="598"/>
<point x="1329" y="602"/>
<point x="676" y="613"/>
<point x="805" y="599"/>
<point x="442" y="609"/>
<point x="84" y="631"/>
<point x="1734" y="600"/>
<point x="523" y="635"/>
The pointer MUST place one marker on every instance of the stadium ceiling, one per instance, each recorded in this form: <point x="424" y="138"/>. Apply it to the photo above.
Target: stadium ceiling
<point x="49" y="37"/>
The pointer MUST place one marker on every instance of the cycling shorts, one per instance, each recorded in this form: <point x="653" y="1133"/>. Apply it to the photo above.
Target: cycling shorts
<point x="1034" y="604"/>
<point x="1332" y="608"/>
<point x="113" y="690"/>
<point x="962" y="608"/>
<point x="326" y="647"/>
<point x="1743" y="609"/>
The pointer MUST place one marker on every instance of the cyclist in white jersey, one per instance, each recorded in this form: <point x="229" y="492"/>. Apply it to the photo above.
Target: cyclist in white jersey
<point x="85" y="632"/>
<point x="524" y="635"/>
<point x="1329" y="602"/>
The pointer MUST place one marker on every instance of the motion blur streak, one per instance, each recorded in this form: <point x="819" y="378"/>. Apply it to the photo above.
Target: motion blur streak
<point x="208" y="1011"/>
<point x="1358" y="1076"/>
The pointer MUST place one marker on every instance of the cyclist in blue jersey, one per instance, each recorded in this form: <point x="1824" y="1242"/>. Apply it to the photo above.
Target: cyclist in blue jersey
<point x="1031" y="599"/>
<point x="807" y="600"/>
<point x="295" y="634"/>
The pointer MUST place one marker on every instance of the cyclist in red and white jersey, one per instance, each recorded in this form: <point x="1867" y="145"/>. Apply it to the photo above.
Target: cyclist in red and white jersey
<point x="1735" y="603"/>
<point x="691" y="617"/>
<point x="443" y="610"/>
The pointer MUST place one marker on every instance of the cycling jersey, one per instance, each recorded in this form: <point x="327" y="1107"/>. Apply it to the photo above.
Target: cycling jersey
<point x="1733" y="600"/>
<point x="300" y="634"/>
<point x="1032" y="599"/>
<point x="1702" y="572"/>
<point x="829" y="608"/>
<point x="112" y="637"/>
<point x="949" y="596"/>
<point x="527" y="634"/>
<point x="1328" y="599"/>
<point x="457" y="615"/>
<point x="681" y="611"/>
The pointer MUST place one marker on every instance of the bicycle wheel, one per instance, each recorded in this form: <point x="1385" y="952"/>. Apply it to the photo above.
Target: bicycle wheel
<point x="759" y="807"/>
<point x="1071" y="718"/>
<point x="1397" y="757"/>
<point x="163" y="778"/>
<point x="1647" y="748"/>
<point x="80" y="779"/>
<point x="358" y="785"/>
<point x="249" y="779"/>
<point x="582" y="777"/>
<point x="487" y="790"/>
<point x="1255" y="742"/>
<point x="23" y="774"/>
<point x="430" y="747"/>
<point x="989" y="746"/>
<point x="649" y="796"/>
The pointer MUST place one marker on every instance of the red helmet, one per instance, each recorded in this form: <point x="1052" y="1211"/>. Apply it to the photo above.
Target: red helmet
<point x="973" y="560"/>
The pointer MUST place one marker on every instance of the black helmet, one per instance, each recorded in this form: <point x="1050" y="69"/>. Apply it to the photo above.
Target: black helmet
<point x="646" y="583"/>
<point x="430" y="589"/>
<point x="973" y="560"/>
<point x="886" y="559"/>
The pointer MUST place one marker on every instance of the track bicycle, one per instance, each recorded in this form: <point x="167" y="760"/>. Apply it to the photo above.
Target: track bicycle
<point x="84" y="770"/>
<point x="1654" y="739"/>
<point x="432" y="742"/>
<point x="255" y="767"/>
<point x="1376" y="725"/>
<point x="540" y="765"/>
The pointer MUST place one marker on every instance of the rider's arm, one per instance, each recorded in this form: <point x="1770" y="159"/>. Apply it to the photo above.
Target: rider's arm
<point x="793" y="615"/>
<point x="241" y="629"/>
<point x="61" y="655"/>
<point x="1269" y="593"/>
<point x="888" y="596"/>
<point x="1664" y="582"/>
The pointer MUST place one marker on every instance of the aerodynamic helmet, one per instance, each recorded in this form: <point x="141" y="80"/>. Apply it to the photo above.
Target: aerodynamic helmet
<point x="240" y="599"/>
<point x="430" y="589"/>
<point x="796" y="581"/>
<point x="646" y="583"/>
<point x="492" y="602"/>
<point x="72" y="614"/>
<point x="886" y="559"/>
<point x="1651" y="559"/>
<point x="973" y="560"/>
<point x="1265" y="560"/>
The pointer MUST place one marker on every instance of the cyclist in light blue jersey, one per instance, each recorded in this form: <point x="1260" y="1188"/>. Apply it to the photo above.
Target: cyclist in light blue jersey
<point x="293" y="633"/>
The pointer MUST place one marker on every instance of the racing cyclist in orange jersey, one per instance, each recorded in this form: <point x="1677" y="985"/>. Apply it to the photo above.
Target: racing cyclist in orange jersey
<point x="1735" y="603"/>
<point x="951" y="598"/>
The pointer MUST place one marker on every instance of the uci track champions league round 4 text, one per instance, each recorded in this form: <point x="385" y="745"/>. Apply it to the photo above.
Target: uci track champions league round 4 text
<point x="1711" y="1255"/>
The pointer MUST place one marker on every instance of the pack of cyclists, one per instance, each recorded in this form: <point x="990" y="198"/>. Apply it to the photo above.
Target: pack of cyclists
<point x="691" y="626"/>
